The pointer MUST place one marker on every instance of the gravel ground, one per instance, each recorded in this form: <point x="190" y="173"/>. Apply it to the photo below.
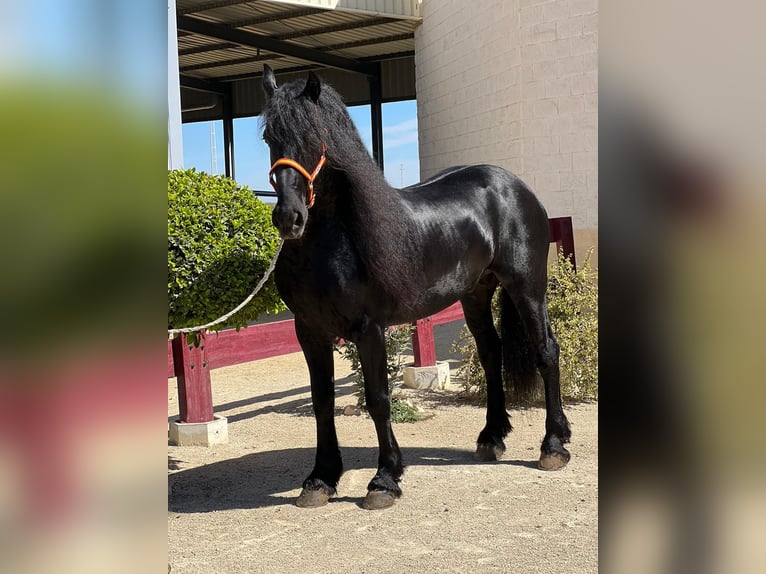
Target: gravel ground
<point x="231" y="507"/>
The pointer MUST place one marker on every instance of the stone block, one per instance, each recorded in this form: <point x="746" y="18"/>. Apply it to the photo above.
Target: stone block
<point x="558" y="87"/>
<point x="571" y="104"/>
<point x="200" y="434"/>
<point x="546" y="108"/>
<point x="584" y="160"/>
<point x="580" y="45"/>
<point x="569" y="27"/>
<point x="570" y="66"/>
<point x="436" y="377"/>
<point x="590" y="24"/>
<point x="569" y="143"/>
<point x="578" y="7"/>
<point x="555" y="11"/>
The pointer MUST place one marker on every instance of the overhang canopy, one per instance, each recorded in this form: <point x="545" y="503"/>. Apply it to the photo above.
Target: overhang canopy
<point x="223" y="45"/>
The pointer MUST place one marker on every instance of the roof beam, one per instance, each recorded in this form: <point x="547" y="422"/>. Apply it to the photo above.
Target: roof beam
<point x="206" y="48"/>
<point x="233" y="62"/>
<point x="252" y="75"/>
<point x="254" y="59"/>
<point x="203" y="85"/>
<point x="296" y="69"/>
<point x="274" y="17"/>
<point x="223" y="32"/>
<point x="369" y="42"/>
<point x="391" y="56"/>
<point x="354" y="25"/>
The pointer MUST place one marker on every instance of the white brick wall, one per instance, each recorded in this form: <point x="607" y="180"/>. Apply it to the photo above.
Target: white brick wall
<point x="513" y="83"/>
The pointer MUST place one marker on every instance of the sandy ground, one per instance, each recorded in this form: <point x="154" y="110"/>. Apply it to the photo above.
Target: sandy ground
<point x="231" y="507"/>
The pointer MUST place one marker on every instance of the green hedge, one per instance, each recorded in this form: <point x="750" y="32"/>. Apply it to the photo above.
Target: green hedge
<point x="220" y="243"/>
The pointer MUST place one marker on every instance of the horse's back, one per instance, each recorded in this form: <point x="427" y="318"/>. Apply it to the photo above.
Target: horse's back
<point x="437" y="176"/>
<point x="488" y="190"/>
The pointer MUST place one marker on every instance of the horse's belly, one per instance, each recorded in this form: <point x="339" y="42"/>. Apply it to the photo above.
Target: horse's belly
<point x="437" y="295"/>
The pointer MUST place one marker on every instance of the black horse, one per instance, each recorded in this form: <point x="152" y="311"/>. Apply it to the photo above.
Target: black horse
<point x="360" y="256"/>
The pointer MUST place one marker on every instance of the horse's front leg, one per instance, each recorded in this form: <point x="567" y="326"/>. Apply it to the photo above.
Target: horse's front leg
<point x="383" y="489"/>
<point x="321" y="484"/>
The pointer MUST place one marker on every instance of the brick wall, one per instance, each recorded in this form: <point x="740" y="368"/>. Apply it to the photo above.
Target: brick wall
<point x="514" y="83"/>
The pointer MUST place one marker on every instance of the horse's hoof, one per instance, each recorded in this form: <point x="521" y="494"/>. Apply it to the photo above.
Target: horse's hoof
<point x="377" y="499"/>
<point x="553" y="460"/>
<point x="488" y="452"/>
<point x="312" y="498"/>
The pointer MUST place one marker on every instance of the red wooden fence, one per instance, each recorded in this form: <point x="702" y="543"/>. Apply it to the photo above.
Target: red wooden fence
<point x="191" y="365"/>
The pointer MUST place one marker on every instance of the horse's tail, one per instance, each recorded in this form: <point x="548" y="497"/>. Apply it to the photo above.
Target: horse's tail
<point x="519" y="368"/>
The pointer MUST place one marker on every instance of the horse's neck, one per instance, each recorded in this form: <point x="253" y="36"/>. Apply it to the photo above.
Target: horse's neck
<point x="378" y="225"/>
<point x="371" y="201"/>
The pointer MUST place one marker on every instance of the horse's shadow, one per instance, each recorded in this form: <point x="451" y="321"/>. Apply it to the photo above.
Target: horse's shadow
<point x="262" y="479"/>
<point x="297" y="407"/>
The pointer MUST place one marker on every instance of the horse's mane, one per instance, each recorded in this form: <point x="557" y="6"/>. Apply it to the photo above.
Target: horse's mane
<point x="380" y="230"/>
<point x="294" y="119"/>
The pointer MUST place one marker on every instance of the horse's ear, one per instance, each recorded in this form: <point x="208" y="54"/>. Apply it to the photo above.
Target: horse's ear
<point x="269" y="81"/>
<point x="313" y="87"/>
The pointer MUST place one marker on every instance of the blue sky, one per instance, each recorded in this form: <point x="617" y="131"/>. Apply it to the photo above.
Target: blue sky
<point x="251" y="156"/>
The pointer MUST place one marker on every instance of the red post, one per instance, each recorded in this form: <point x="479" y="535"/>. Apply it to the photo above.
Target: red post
<point x="195" y="397"/>
<point x="563" y="235"/>
<point x="423" y="343"/>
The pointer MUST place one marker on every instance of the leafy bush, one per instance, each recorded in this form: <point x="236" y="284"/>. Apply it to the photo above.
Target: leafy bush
<point x="573" y="312"/>
<point x="220" y="243"/>
<point x="397" y="341"/>
<point x="572" y="298"/>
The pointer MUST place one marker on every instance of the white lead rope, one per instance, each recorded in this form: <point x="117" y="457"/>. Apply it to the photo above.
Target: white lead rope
<point x="172" y="332"/>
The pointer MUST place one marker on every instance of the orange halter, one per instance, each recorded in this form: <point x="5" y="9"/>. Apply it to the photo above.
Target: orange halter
<point x="310" y="177"/>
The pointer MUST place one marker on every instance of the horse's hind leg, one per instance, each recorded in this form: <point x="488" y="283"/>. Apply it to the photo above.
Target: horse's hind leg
<point x="477" y="308"/>
<point x="383" y="489"/>
<point x="530" y="304"/>
<point x="328" y="466"/>
<point x="553" y="455"/>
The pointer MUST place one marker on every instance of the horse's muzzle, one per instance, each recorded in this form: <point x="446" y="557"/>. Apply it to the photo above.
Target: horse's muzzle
<point x="290" y="223"/>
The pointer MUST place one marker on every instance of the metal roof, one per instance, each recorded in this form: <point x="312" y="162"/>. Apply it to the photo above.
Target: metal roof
<point x="225" y="42"/>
